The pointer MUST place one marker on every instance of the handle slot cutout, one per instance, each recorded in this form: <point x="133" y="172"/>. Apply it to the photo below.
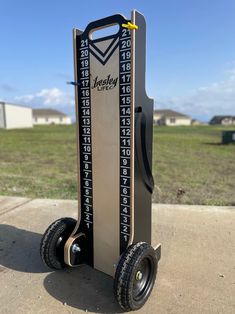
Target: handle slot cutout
<point x="104" y="31"/>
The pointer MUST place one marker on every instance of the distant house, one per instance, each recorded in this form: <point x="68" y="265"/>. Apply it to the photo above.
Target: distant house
<point x="170" y="118"/>
<point x="50" y="116"/>
<point x="14" y="116"/>
<point x="197" y="122"/>
<point x="223" y="120"/>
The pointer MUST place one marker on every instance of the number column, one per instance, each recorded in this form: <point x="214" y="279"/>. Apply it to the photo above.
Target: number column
<point x="86" y="224"/>
<point x="125" y="137"/>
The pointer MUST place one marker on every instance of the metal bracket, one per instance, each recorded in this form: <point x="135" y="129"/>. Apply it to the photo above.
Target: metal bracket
<point x="158" y="250"/>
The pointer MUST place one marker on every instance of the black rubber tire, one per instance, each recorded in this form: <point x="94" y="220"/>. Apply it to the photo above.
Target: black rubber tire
<point x="53" y="241"/>
<point x="125" y="285"/>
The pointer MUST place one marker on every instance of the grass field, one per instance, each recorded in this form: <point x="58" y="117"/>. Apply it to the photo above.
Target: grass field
<point x="190" y="166"/>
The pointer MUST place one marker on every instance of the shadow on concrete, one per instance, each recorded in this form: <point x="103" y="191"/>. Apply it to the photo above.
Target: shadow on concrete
<point x="83" y="288"/>
<point x="19" y="250"/>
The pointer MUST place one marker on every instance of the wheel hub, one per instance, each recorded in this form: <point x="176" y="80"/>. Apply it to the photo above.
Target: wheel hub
<point x="142" y="279"/>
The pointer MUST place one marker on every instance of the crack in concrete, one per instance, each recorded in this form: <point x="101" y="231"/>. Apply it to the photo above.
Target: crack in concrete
<point x="17" y="206"/>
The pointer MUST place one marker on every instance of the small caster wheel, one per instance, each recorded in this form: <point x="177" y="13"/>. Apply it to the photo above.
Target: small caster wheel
<point x="53" y="241"/>
<point x="135" y="276"/>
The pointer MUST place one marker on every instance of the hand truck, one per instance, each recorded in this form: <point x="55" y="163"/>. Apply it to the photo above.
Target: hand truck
<point x="115" y="182"/>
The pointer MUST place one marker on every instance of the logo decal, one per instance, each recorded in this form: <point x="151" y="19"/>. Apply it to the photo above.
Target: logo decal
<point x="103" y="57"/>
<point x="104" y="84"/>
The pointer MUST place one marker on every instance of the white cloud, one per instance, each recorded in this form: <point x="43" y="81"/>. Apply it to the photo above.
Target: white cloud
<point x="47" y="97"/>
<point x="216" y="99"/>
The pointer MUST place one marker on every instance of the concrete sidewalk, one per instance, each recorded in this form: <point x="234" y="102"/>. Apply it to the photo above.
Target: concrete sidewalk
<point x="196" y="272"/>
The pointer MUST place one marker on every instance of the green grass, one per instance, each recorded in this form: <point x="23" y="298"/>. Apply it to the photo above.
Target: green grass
<point x="41" y="162"/>
<point x="38" y="162"/>
<point x="192" y="159"/>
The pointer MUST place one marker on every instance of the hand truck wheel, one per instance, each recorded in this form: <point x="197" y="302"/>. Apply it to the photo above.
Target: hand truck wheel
<point x="53" y="241"/>
<point x="135" y="276"/>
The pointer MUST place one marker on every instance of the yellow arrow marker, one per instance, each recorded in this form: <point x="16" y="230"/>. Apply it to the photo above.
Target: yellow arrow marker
<point x="130" y="25"/>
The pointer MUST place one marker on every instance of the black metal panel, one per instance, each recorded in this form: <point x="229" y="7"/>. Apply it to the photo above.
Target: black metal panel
<point x="143" y="140"/>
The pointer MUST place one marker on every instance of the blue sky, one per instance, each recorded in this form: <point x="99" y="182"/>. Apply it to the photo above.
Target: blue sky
<point x="190" y="51"/>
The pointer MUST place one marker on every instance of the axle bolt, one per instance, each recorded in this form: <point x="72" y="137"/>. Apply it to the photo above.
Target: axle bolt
<point x="138" y="275"/>
<point x="76" y="248"/>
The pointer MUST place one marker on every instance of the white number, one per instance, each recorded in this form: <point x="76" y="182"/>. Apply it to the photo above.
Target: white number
<point x="84" y="63"/>
<point x="124" y="171"/>
<point x="125" y="32"/>
<point x="87" y="191"/>
<point x="86" y="157"/>
<point x="126" y="66"/>
<point x="125" y="210"/>
<point x="87" y="140"/>
<point x="126" y="55"/>
<point x="124" y="162"/>
<point x="126" y="152"/>
<point x="124" y="200"/>
<point x="125" y="219"/>
<point x="86" y="112"/>
<point x="126" y="44"/>
<point x="86" y="121"/>
<point x="84" y="53"/>
<point x="126" y="100"/>
<point x="85" y="83"/>
<point x="126" y="78"/>
<point x="126" y="132"/>
<point x="124" y="228"/>
<point x="85" y="102"/>
<point x="84" y="42"/>
<point x="126" y="111"/>
<point x="86" y="130"/>
<point x="87" y="200"/>
<point x="87" y="149"/>
<point x="84" y="73"/>
<point x="124" y="191"/>
<point x="126" y="89"/>
<point x="126" y="121"/>
<point x="125" y="237"/>
<point x="85" y="92"/>
<point x="126" y="142"/>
